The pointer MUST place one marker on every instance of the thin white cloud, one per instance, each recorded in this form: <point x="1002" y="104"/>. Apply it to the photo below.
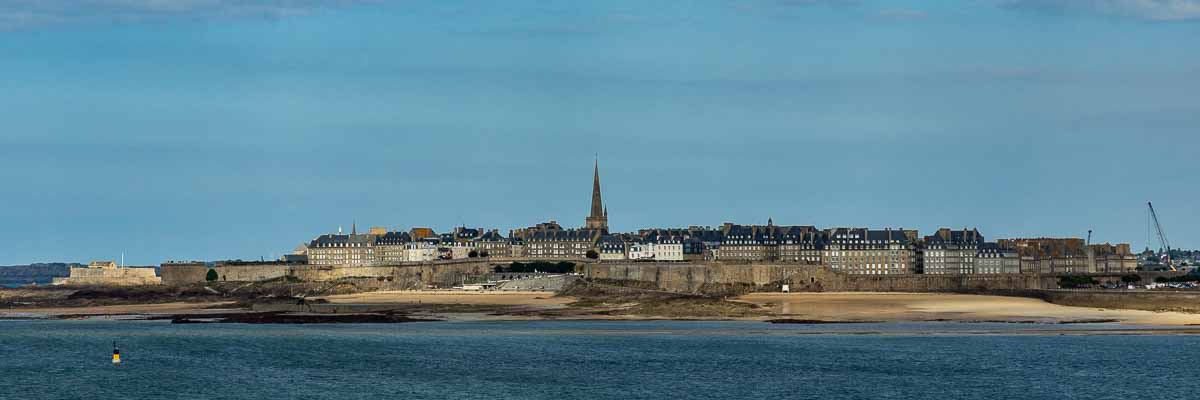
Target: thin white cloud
<point x="23" y="14"/>
<point x="1154" y="10"/>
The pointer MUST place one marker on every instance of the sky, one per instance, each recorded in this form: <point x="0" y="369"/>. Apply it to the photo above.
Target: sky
<point x="226" y="129"/>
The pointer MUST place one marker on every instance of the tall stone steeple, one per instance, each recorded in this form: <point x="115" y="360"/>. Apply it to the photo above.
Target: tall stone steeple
<point x="598" y="219"/>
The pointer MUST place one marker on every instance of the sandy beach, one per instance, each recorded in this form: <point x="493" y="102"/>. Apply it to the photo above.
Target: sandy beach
<point x="126" y="309"/>
<point x="949" y="307"/>
<point x="851" y="307"/>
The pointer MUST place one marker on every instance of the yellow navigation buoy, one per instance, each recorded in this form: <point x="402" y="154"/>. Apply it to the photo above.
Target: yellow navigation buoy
<point x="116" y="354"/>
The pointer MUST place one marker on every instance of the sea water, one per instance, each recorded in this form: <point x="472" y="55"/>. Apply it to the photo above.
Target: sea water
<point x="588" y="360"/>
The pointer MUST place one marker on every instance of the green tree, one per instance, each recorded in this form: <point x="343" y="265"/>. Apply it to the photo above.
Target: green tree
<point x="1131" y="278"/>
<point x="592" y="254"/>
<point x="1076" y="282"/>
<point x="211" y="276"/>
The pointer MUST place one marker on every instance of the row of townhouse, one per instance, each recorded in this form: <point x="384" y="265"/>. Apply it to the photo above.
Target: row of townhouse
<point x="364" y="250"/>
<point x="382" y="247"/>
<point x="1070" y="256"/>
<point x="852" y="250"/>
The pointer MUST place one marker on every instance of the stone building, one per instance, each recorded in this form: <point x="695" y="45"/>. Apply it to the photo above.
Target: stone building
<point x="770" y="243"/>
<point x="517" y="247"/>
<point x="108" y="273"/>
<point x="950" y="252"/>
<point x="381" y="247"/>
<point x="745" y="243"/>
<point x="993" y="258"/>
<point x="1051" y="255"/>
<point x="353" y="250"/>
<point x="1109" y="258"/>
<point x="422" y="233"/>
<point x="493" y="244"/>
<point x="613" y="248"/>
<point x="391" y="247"/>
<point x="870" y="252"/>
<point x="801" y="244"/>
<point x="526" y="233"/>
<point x="562" y="244"/>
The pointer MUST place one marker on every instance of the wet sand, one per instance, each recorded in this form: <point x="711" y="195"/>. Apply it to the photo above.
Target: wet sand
<point x="127" y="309"/>
<point x="889" y="307"/>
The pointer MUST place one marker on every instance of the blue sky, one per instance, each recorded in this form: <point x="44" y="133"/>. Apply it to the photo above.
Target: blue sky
<point x="212" y="129"/>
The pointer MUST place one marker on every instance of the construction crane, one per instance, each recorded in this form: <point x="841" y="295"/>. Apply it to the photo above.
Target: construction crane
<point x="1165" y="246"/>
<point x="1089" y="241"/>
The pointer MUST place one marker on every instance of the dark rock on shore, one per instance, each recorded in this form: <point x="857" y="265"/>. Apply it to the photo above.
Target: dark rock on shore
<point x="815" y="321"/>
<point x="289" y="318"/>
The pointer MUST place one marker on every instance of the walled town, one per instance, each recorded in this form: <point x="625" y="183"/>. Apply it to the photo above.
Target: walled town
<point x="867" y="251"/>
<point x="743" y="271"/>
<point x="683" y="258"/>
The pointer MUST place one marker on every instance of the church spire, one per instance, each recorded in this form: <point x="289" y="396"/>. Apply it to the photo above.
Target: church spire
<point x="598" y="218"/>
<point x="597" y="202"/>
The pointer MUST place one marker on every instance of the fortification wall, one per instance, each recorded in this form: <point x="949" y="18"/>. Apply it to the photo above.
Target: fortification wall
<point x="441" y="274"/>
<point x="184" y="274"/>
<point x="692" y="277"/>
<point x="408" y="275"/>
<point x="702" y="277"/>
<point x="1150" y="300"/>
<point x="112" y="277"/>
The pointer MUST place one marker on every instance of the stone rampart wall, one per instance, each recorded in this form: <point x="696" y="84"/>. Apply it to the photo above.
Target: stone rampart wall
<point x="1150" y="300"/>
<point x="700" y="277"/>
<point x="112" y="277"/>
<point x="176" y="274"/>
<point x="414" y="276"/>
<point x="691" y="277"/>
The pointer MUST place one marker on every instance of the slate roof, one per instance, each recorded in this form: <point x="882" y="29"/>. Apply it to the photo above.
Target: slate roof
<point x="568" y="235"/>
<point x="353" y="240"/>
<point x="866" y="236"/>
<point x="492" y="236"/>
<point x="994" y="248"/>
<point x="466" y="233"/>
<point x="769" y="234"/>
<point x="946" y="236"/>
<point x="393" y="238"/>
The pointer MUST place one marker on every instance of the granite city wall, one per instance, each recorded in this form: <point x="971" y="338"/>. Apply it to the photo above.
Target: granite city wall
<point x="690" y="277"/>
<point x="406" y="276"/>
<point x="183" y="274"/>
<point x="111" y="277"/>
<point x="716" y="277"/>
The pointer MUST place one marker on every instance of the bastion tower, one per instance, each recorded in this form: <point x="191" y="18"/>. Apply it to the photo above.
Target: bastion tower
<point x="598" y="219"/>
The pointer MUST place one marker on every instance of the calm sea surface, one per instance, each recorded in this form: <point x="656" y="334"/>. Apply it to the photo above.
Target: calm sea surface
<point x="585" y="360"/>
<point x="19" y="283"/>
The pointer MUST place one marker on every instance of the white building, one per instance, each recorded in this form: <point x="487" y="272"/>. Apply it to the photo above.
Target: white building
<point x="420" y="252"/>
<point x="667" y="250"/>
